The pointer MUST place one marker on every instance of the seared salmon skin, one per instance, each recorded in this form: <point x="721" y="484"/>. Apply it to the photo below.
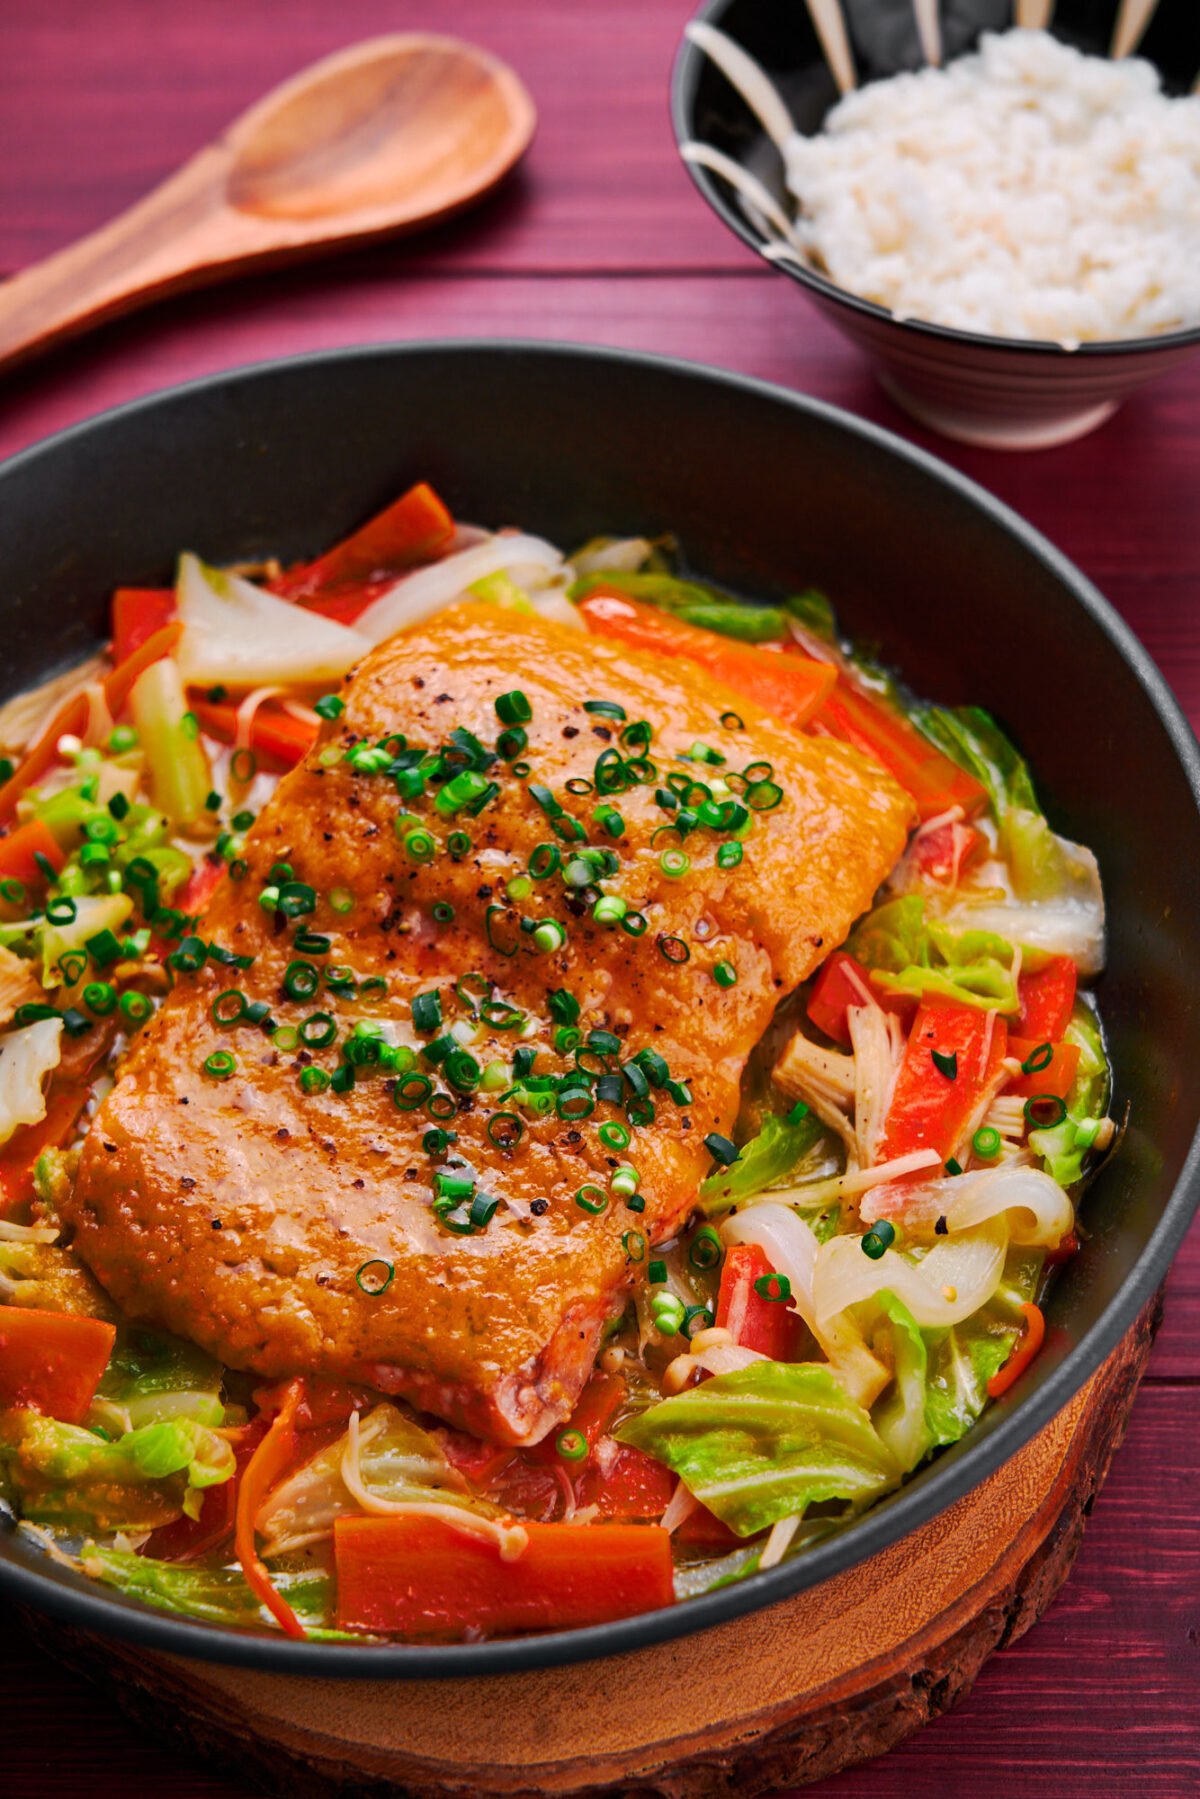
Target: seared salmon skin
<point x="484" y="915"/>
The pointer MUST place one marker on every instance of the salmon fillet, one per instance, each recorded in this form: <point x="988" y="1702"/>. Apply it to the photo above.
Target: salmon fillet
<point x="242" y="1212"/>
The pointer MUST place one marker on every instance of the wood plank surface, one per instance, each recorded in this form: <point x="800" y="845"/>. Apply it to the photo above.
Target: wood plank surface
<point x="602" y="238"/>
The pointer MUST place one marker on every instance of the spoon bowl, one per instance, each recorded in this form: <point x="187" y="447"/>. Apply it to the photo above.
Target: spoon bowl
<point x="379" y="139"/>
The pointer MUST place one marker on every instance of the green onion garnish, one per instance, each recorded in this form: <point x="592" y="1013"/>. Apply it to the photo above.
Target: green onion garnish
<point x="946" y="1064"/>
<point x="220" y="1065"/>
<point x="613" y="1135"/>
<point x="673" y="949"/>
<point x="313" y="1080"/>
<point x="604" y="709"/>
<point x="721" y="1149"/>
<point x="411" y="1091"/>
<point x="427" y="1011"/>
<point x="1044" y="1111"/>
<point x="329" y="706"/>
<point x="725" y="974"/>
<point x="513" y="708"/>
<point x="1038" y="1058"/>
<point x="375" y="1277"/>
<point x="571" y="1445"/>
<point x="879" y="1238"/>
<point x="986" y="1143"/>
<point x="705" y="1250"/>
<point x="318" y="1031"/>
<point x="590" y="1198"/>
<point x="775" y="1287"/>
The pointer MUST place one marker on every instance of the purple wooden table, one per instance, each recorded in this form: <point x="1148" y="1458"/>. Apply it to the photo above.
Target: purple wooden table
<point x="600" y="237"/>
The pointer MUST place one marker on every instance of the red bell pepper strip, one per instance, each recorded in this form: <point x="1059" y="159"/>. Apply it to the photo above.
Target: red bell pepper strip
<point x="51" y="1362"/>
<point x="137" y="613"/>
<point x="19" y="1157"/>
<point x="1058" y="1074"/>
<point x="931" y="1107"/>
<point x="1047" y="1000"/>
<point x="594" y="1412"/>
<point x="72" y="717"/>
<point x="754" y="1320"/>
<point x="935" y="783"/>
<point x="424" y="1577"/>
<point x="789" y="687"/>
<point x="187" y="1539"/>
<point x="1022" y="1355"/>
<point x="19" y="848"/>
<point x="276" y="1453"/>
<point x="416" y="528"/>
<point x="625" y="1482"/>
<point x="276" y="734"/>
<point x="842" y="983"/>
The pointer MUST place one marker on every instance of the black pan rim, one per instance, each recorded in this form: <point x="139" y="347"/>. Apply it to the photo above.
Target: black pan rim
<point x="92" y="1609"/>
<point x="689" y="59"/>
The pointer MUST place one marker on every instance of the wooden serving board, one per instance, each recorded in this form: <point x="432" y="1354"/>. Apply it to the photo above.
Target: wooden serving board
<point x="782" y="1697"/>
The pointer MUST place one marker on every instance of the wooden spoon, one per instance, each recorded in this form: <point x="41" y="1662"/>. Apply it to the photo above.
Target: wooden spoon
<point x="385" y="137"/>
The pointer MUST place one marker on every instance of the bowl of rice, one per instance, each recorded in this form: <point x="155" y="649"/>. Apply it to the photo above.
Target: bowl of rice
<point x="998" y="200"/>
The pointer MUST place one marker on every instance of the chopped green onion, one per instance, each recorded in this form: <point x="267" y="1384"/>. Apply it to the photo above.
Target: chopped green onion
<point x="571" y="1445"/>
<point x="411" y="1092"/>
<point x="318" y="1031"/>
<point x="732" y="722"/>
<point x="613" y="1135"/>
<point x="775" y="1287"/>
<point x="313" y="1080"/>
<point x="228" y="1007"/>
<point x="544" y="861"/>
<point x="375" y="1277"/>
<point x="329" y="706"/>
<point x="427" y="1011"/>
<point x="705" y="1250"/>
<point x="513" y="708"/>
<point x="634" y="1245"/>
<point x="673" y="949"/>
<point x="1038" y="1058"/>
<point x="721" y="1149"/>
<point x="879" y="1238"/>
<point x="482" y="1207"/>
<point x="797" y="1112"/>
<point x="953" y="1166"/>
<point x="510" y="744"/>
<point x="986" y="1143"/>
<point x="548" y="937"/>
<point x="674" y="864"/>
<point x="590" y="1198"/>
<point x="459" y="845"/>
<point x="341" y="899"/>
<point x="946" y="1064"/>
<point x="220" y="1065"/>
<point x="574" y="1104"/>
<point x="563" y="1006"/>
<point x="609" y="909"/>
<point x="1044" y="1111"/>
<point x="725" y="974"/>
<point x="136" y="1007"/>
<point x="604" y="709"/>
<point x="100" y="997"/>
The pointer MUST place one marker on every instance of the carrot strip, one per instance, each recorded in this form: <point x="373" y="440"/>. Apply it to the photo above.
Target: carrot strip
<point x="1022" y="1355"/>
<point x="20" y="1154"/>
<point x="422" y="1576"/>
<point x="756" y="1322"/>
<point x="274" y="733"/>
<point x="416" y="528"/>
<point x="935" y="783"/>
<point x="273" y="1456"/>
<point x="932" y="1100"/>
<point x="72" y="717"/>
<point x="51" y="1362"/>
<point x="790" y="687"/>
<point x="1048" y="999"/>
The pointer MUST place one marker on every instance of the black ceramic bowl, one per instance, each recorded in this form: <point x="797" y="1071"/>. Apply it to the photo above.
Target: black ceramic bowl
<point x="985" y="390"/>
<point x="767" y="492"/>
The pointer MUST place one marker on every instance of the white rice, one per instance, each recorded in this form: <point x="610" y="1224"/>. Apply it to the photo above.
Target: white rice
<point x="1026" y="191"/>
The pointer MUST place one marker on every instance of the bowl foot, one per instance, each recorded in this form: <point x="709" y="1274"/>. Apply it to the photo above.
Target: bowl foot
<point x="997" y="433"/>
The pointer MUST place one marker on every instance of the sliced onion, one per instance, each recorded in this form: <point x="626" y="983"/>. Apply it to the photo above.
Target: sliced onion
<point x="959" y="1275"/>
<point x="727" y="1358"/>
<point x="427" y="590"/>
<point x="1033" y="1205"/>
<point x="243" y="636"/>
<point x="679" y="1508"/>
<point x="1037" y="1209"/>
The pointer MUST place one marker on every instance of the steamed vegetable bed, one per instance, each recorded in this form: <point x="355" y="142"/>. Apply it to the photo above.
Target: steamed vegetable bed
<point x="866" y="1263"/>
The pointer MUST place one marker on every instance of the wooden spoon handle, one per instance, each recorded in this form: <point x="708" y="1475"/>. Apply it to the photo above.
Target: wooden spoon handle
<point x="177" y="237"/>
